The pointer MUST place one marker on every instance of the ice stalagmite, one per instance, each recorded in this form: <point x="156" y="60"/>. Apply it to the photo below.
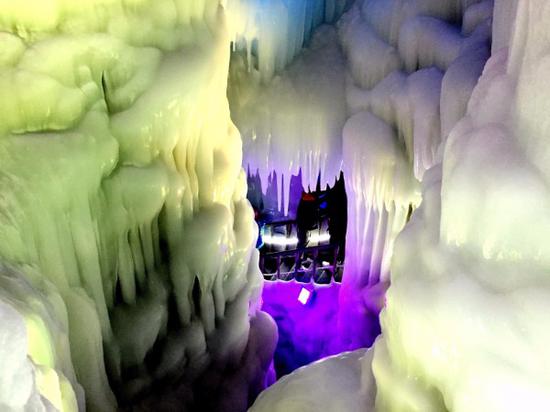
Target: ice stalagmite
<point x="126" y="238"/>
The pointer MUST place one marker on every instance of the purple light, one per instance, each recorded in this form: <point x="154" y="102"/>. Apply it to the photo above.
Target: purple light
<point x="306" y="316"/>
<point x="304" y="296"/>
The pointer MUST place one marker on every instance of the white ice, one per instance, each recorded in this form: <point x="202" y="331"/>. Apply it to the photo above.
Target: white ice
<point x="125" y="232"/>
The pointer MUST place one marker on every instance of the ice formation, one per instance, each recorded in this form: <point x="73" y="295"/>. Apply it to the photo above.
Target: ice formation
<point x="464" y="326"/>
<point x="272" y="33"/>
<point x="129" y="272"/>
<point x="129" y="276"/>
<point x="408" y="69"/>
<point x="294" y="123"/>
<point x="410" y="76"/>
<point x="308" y="389"/>
<point x="482" y="263"/>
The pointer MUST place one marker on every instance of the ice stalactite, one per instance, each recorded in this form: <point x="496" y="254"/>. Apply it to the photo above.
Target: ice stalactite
<point x="127" y="239"/>
<point x="294" y="124"/>
<point x="381" y="193"/>
<point x="273" y="32"/>
<point x="385" y="190"/>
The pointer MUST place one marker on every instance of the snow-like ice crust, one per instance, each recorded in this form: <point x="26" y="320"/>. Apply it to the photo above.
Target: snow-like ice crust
<point x="126" y="239"/>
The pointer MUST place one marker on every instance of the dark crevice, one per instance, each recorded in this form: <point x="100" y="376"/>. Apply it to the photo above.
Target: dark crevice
<point x="105" y="93"/>
<point x="196" y="294"/>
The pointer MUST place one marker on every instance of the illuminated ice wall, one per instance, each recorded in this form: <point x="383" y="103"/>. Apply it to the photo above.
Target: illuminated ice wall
<point x="466" y="318"/>
<point x="375" y="96"/>
<point x="129" y="274"/>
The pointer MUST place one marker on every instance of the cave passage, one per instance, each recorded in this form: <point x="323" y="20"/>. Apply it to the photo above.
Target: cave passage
<point x="302" y="260"/>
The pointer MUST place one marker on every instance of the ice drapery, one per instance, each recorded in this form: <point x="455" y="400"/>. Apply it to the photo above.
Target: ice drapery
<point x="293" y="123"/>
<point x="124" y="227"/>
<point x="412" y="67"/>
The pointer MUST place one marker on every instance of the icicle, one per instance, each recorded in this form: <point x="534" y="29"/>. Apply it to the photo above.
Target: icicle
<point x="286" y="191"/>
<point x="280" y="195"/>
<point x="264" y="179"/>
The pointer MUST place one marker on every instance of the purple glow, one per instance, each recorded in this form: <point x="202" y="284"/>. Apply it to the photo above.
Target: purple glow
<point x="306" y="316"/>
<point x="304" y="296"/>
<point x="314" y="320"/>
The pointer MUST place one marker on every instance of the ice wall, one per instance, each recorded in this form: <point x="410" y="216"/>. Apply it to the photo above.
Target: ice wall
<point x="476" y="296"/>
<point x="411" y="69"/>
<point x="465" y="323"/>
<point x="127" y="242"/>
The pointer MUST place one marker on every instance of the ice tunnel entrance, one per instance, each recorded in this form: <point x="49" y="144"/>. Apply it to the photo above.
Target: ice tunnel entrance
<point x="308" y="242"/>
<point x="302" y="260"/>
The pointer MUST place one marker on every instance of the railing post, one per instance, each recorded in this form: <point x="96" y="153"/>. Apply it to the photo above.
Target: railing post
<point x="262" y="264"/>
<point x="315" y="257"/>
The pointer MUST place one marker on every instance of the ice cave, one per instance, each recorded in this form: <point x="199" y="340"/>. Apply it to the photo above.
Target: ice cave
<point x="274" y="205"/>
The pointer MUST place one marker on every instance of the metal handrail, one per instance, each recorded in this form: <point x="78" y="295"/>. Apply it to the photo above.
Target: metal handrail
<point x="297" y="253"/>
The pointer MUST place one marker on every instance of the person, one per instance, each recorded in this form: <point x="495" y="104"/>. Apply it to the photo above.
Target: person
<point x="306" y="218"/>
